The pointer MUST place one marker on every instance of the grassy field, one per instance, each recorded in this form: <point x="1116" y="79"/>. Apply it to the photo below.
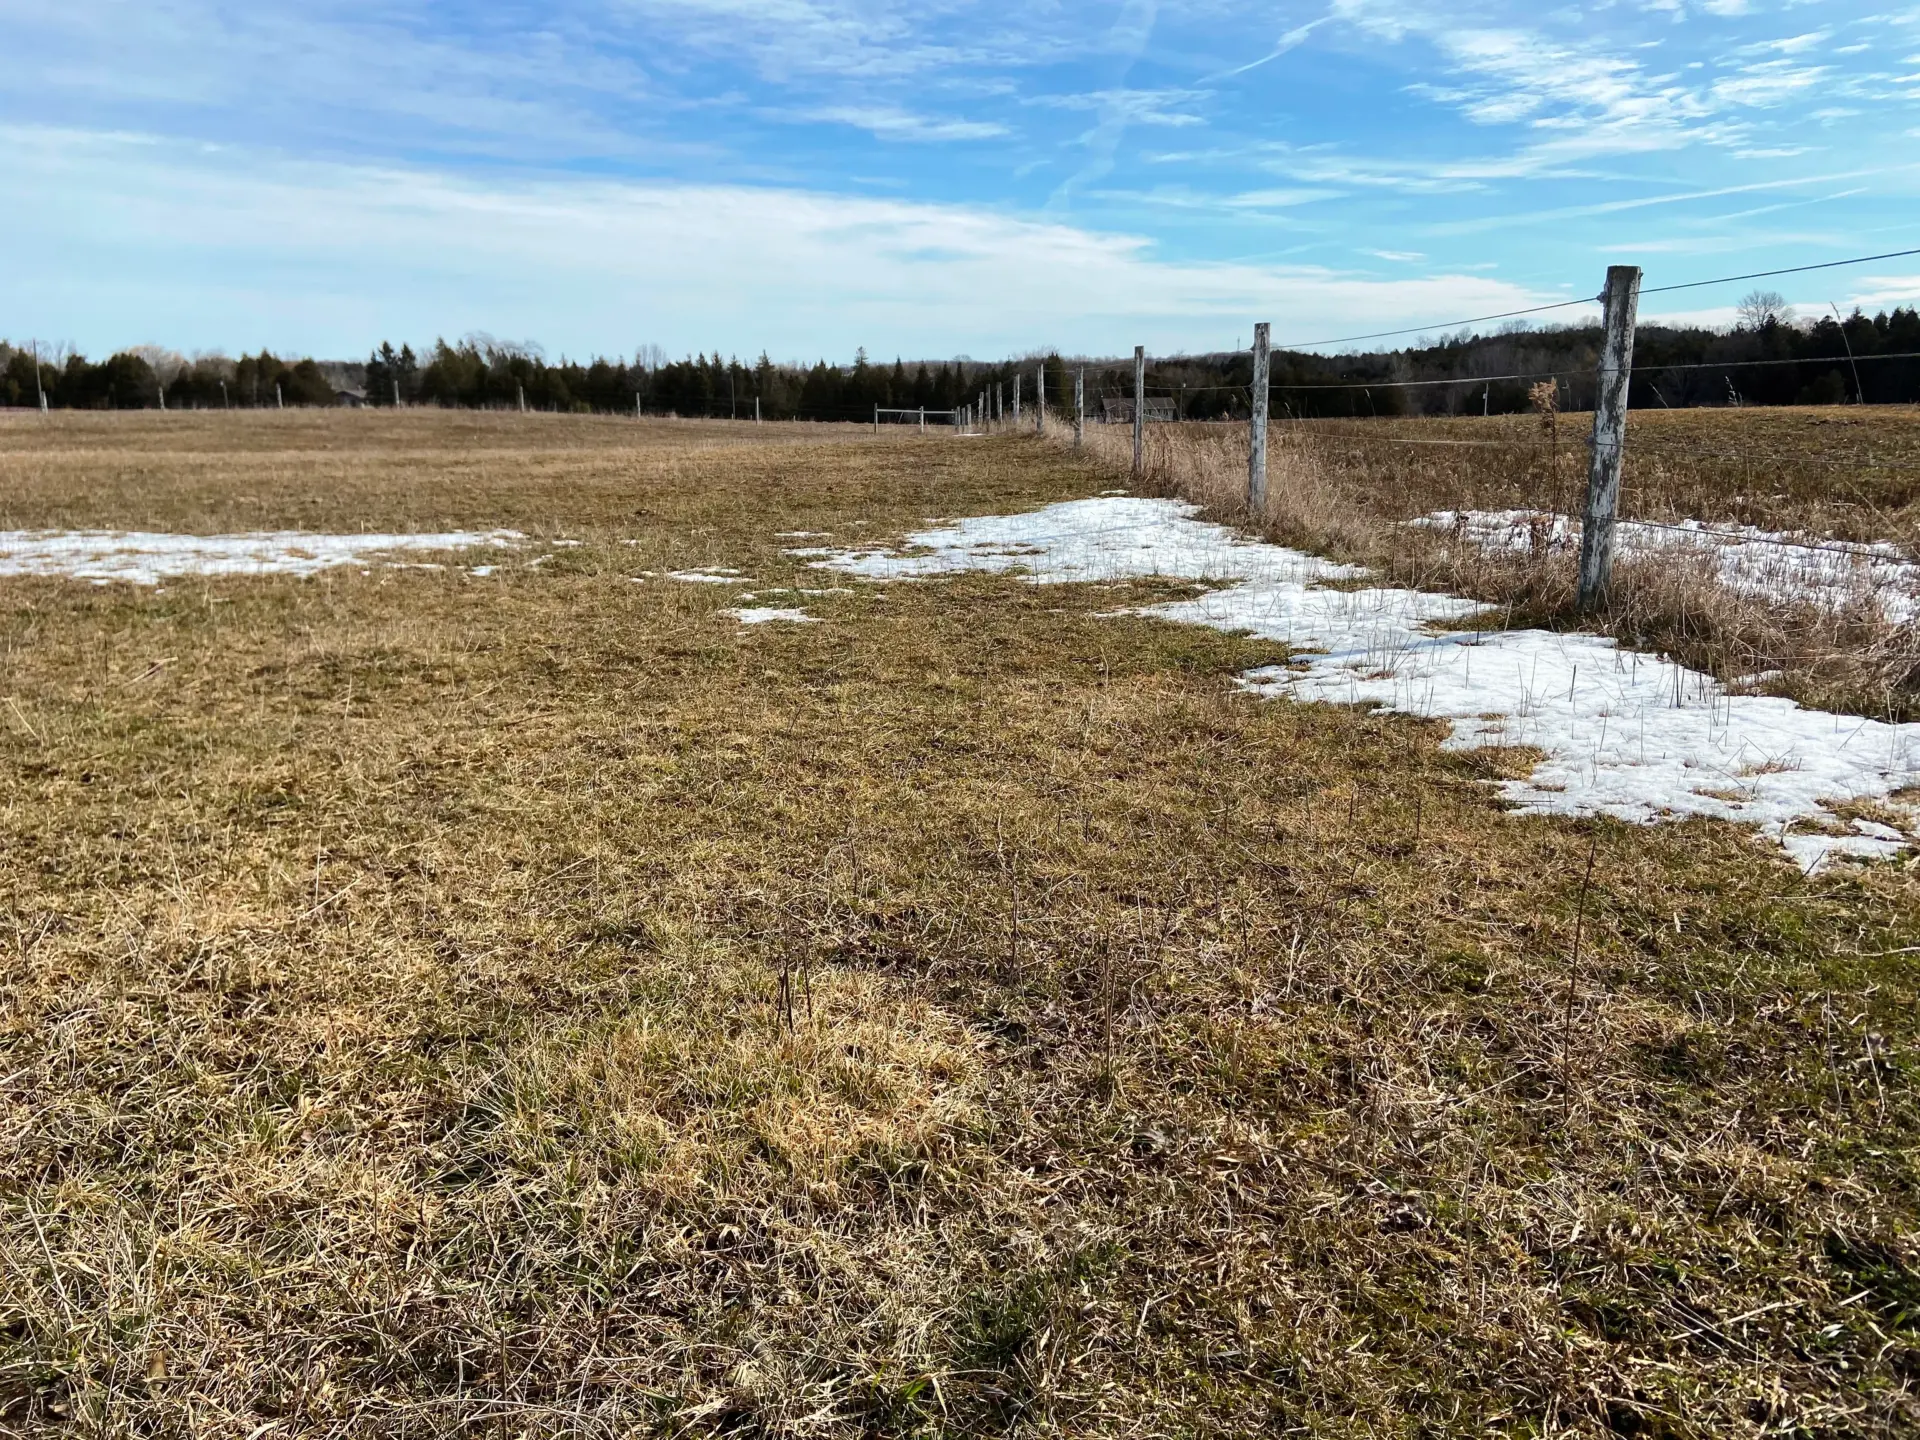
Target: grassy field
<point x="541" y="1005"/>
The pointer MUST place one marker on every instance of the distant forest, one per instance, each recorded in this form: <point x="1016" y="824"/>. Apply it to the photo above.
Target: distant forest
<point x="1768" y="359"/>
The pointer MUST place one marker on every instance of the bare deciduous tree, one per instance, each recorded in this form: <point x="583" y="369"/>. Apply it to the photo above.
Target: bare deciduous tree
<point x="1761" y="308"/>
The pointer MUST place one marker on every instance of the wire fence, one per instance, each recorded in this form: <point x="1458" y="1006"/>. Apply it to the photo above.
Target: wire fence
<point x="1746" y="479"/>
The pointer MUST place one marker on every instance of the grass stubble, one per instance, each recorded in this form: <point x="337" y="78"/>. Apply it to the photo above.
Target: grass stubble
<point x="539" y="1005"/>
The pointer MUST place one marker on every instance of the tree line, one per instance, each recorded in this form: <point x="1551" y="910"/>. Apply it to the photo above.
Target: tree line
<point x="1767" y="359"/>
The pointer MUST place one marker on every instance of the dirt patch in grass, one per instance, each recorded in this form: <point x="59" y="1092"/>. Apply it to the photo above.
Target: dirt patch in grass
<point x="540" y="1005"/>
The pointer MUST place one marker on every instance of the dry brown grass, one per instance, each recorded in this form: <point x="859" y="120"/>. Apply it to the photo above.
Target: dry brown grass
<point x="1350" y="488"/>
<point x="541" y="1006"/>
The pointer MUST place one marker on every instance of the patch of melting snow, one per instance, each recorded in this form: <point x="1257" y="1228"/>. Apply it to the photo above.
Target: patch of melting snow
<point x="716" y="576"/>
<point x="142" y="557"/>
<point x="1810" y="569"/>
<point x="1624" y="734"/>
<point x="765" y="614"/>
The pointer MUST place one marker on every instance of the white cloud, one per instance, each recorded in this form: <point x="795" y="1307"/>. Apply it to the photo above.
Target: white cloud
<point x="1133" y="107"/>
<point x="234" y="249"/>
<point x="1872" y="292"/>
<point x="891" y="124"/>
<point x="1276" y="199"/>
<point x="1770" y="83"/>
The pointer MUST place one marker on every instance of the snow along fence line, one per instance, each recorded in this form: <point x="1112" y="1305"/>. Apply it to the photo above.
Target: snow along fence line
<point x="1633" y="736"/>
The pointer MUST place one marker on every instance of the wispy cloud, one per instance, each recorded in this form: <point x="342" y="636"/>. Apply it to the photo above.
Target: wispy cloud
<point x="597" y="265"/>
<point x="889" y="124"/>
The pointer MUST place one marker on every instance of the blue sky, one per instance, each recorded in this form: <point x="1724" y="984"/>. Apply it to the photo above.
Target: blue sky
<point x="933" y="178"/>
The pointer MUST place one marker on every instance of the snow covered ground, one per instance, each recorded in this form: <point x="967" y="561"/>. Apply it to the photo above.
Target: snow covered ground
<point x="1833" y="574"/>
<point x="149" y="557"/>
<point x="767" y="614"/>
<point x="1624" y="734"/>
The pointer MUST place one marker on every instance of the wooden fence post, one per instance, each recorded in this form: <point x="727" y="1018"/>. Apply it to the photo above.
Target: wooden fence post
<point x="756" y="409"/>
<point x="1139" y="410"/>
<point x="1016" y="397"/>
<point x="876" y="419"/>
<point x="1257" y="427"/>
<point x="1079" y="407"/>
<point x="279" y="400"/>
<point x="1040" y="400"/>
<point x="1622" y="300"/>
<point x="396" y="395"/>
<point x="923" y="419"/>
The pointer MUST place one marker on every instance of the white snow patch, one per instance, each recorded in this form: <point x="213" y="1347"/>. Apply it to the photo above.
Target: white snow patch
<point x="1624" y="734"/>
<point x="1809" y="569"/>
<point x="764" y="614"/>
<point x="707" y="577"/>
<point x="141" y="557"/>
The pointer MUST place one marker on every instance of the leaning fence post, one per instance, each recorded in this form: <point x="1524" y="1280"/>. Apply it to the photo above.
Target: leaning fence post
<point x="1257" y="427"/>
<point x="1139" y="409"/>
<point x="279" y="400"/>
<point x="1079" y="407"/>
<point x="1622" y="300"/>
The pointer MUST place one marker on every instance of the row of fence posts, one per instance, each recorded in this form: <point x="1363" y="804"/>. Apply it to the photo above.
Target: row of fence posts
<point x="1620" y="305"/>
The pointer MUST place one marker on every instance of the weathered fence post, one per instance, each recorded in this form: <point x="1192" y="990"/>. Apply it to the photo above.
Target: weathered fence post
<point x="923" y="419"/>
<point x="1000" y="400"/>
<point x="1040" y="400"/>
<point x="1016" y="397"/>
<point x="1257" y="426"/>
<point x="1139" y="410"/>
<point x="876" y="419"/>
<point x="517" y="386"/>
<point x="1079" y="407"/>
<point x="1622" y="300"/>
<point x="279" y="400"/>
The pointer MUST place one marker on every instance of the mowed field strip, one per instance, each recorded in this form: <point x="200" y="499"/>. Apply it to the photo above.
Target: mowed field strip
<point x="547" y="987"/>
